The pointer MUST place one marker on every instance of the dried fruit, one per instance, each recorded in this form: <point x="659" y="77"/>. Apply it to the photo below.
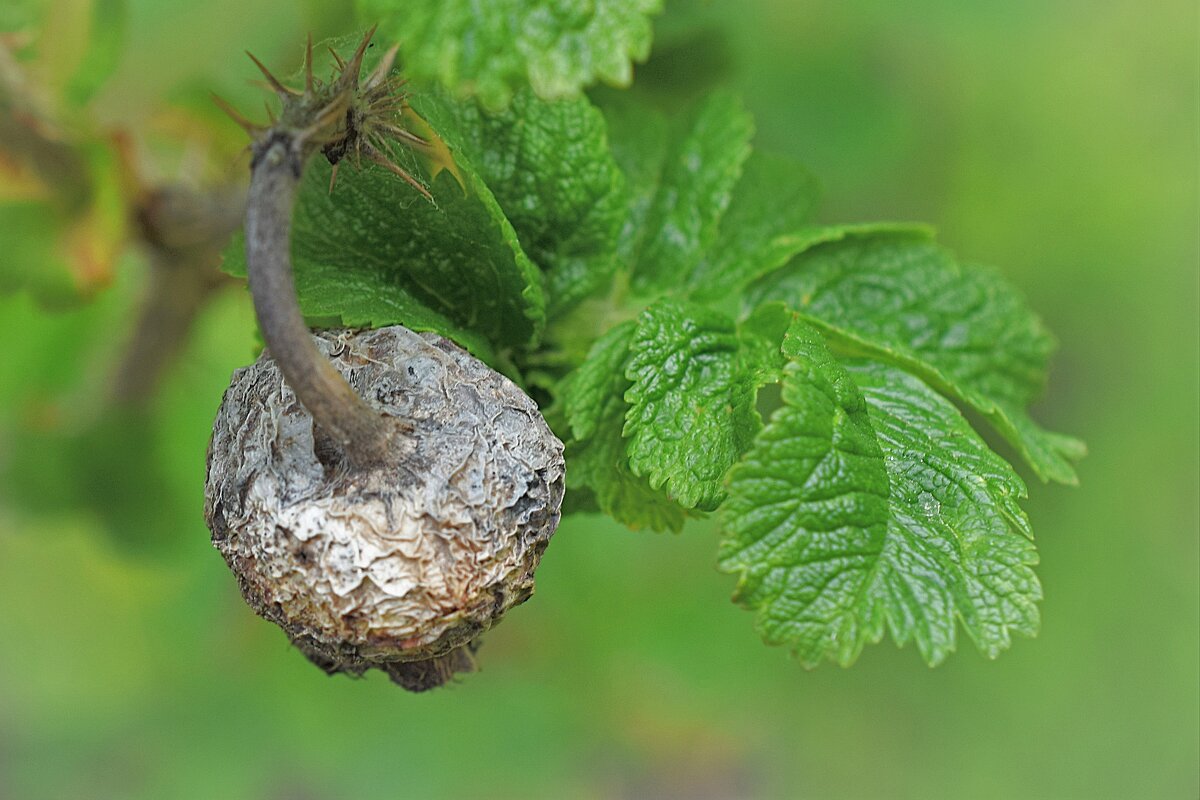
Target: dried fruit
<point x="402" y="565"/>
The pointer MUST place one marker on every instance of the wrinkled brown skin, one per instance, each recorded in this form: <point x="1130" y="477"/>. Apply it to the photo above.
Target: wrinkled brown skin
<point x="399" y="567"/>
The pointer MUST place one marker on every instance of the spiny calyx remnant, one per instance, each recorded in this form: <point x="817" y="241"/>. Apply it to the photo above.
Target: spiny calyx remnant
<point x="399" y="567"/>
<point x="348" y="115"/>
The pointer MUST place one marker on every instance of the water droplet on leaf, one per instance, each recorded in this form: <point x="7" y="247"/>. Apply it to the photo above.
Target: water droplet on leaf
<point x="929" y="504"/>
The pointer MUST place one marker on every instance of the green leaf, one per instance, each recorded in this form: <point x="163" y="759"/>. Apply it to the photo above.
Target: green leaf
<point x="771" y="205"/>
<point x="957" y="544"/>
<point x="595" y="407"/>
<point x="729" y="273"/>
<point x="491" y="49"/>
<point x="702" y="163"/>
<point x="550" y="169"/>
<point x="807" y="515"/>
<point x="763" y="336"/>
<point x="963" y="329"/>
<point x="869" y="505"/>
<point x="691" y="401"/>
<point x="637" y="136"/>
<point x="373" y="252"/>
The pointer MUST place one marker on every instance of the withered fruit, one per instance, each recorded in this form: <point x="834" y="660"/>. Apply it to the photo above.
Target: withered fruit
<point x="400" y="566"/>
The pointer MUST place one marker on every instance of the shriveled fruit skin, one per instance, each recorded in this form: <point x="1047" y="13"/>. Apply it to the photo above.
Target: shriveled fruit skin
<point x="401" y="567"/>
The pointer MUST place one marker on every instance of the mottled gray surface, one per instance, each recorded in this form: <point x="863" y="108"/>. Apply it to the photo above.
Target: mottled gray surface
<point x="402" y="563"/>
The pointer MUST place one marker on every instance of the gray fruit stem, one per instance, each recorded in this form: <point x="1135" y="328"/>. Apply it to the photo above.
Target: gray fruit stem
<point x="360" y="432"/>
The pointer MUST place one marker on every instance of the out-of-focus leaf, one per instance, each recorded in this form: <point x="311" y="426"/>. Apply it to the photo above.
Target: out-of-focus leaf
<point x="492" y="49"/>
<point x="102" y="54"/>
<point x="771" y="205"/>
<point x="702" y="163"/>
<point x="64" y="249"/>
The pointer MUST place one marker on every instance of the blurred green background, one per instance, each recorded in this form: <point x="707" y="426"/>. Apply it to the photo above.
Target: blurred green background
<point x="1059" y="140"/>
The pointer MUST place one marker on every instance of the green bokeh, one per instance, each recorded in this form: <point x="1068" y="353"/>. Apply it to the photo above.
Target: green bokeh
<point x="1058" y="140"/>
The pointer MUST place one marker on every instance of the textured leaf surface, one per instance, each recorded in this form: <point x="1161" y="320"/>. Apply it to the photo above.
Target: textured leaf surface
<point x="373" y="252"/>
<point x="962" y="328"/>
<point x="691" y="400"/>
<point x="549" y="166"/>
<point x="807" y="515"/>
<point x="490" y="49"/>
<point x="957" y="544"/>
<point x="595" y="406"/>
<point x="869" y="505"/>
<point x="703" y="161"/>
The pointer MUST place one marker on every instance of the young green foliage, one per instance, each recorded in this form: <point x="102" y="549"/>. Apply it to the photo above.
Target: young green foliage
<point x="775" y="198"/>
<point x="372" y="252"/>
<point x="830" y="567"/>
<point x="694" y="377"/>
<point x="807" y="516"/>
<point x="958" y="542"/>
<point x="596" y="411"/>
<point x="637" y="137"/>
